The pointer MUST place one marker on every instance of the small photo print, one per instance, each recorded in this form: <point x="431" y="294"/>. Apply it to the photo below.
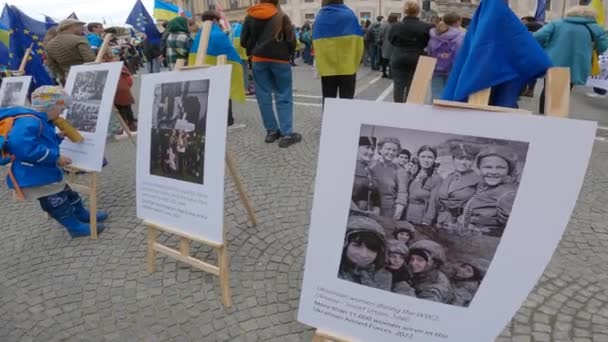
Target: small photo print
<point x="87" y="94"/>
<point x="178" y="130"/>
<point x="10" y="94"/>
<point x="428" y="211"/>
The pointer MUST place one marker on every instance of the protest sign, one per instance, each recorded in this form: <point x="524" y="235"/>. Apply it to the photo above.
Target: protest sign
<point x="13" y="91"/>
<point x="601" y="80"/>
<point x="428" y="220"/>
<point x="92" y="87"/>
<point x="181" y="150"/>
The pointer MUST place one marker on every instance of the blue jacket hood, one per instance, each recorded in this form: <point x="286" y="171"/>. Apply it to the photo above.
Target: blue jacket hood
<point x="488" y="57"/>
<point x="17" y="110"/>
<point x="580" y="20"/>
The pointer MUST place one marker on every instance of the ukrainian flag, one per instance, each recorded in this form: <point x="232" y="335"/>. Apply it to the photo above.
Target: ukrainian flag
<point x="599" y="8"/>
<point x="235" y="38"/>
<point x="4" y="41"/>
<point x="219" y="44"/>
<point x="337" y="39"/>
<point x="167" y="11"/>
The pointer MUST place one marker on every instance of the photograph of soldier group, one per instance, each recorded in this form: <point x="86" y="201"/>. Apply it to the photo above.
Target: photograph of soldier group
<point x="87" y="93"/>
<point x="10" y="94"/>
<point x="428" y="211"/>
<point x="178" y="130"/>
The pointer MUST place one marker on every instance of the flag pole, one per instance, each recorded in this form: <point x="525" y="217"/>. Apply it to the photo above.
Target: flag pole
<point x="27" y="53"/>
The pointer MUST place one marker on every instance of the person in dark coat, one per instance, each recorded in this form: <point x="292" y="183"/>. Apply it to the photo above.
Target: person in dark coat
<point x="447" y="201"/>
<point x="409" y="39"/>
<point x="366" y="196"/>
<point x="152" y="52"/>
<point x="364" y="254"/>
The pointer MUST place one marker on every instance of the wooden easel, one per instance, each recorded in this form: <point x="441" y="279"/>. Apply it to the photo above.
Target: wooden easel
<point x="221" y="270"/>
<point x="557" y="104"/>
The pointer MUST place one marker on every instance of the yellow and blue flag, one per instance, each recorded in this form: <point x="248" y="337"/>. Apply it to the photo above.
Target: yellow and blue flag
<point x="4" y="44"/>
<point x="338" y="41"/>
<point x="235" y="39"/>
<point x="598" y="6"/>
<point x="140" y="19"/>
<point x="167" y="11"/>
<point x="26" y="31"/>
<point x="219" y="44"/>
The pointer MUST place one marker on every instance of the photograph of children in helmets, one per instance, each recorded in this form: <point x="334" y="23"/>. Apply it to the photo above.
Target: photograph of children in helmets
<point x="428" y="210"/>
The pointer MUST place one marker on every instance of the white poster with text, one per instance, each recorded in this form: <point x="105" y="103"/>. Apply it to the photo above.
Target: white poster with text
<point x="13" y="91"/>
<point x="181" y="150"/>
<point x="92" y="87"/>
<point x="434" y="224"/>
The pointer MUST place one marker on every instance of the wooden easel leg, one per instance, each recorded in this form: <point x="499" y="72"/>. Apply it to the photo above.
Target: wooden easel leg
<point x="224" y="264"/>
<point x="324" y="336"/>
<point x="151" y="257"/>
<point x="93" y="205"/>
<point x="184" y="246"/>
<point x="240" y="188"/>
<point x="125" y="127"/>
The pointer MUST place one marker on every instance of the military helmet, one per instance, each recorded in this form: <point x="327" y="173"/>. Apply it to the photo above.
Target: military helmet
<point x="404" y="226"/>
<point x="502" y="152"/>
<point x="431" y="248"/>
<point x="397" y="247"/>
<point x="364" y="224"/>
<point x="480" y="265"/>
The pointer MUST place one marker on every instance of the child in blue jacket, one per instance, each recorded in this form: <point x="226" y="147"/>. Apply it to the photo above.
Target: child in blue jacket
<point x="35" y="172"/>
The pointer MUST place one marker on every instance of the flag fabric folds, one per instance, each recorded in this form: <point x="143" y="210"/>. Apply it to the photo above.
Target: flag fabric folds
<point x="26" y="31"/>
<point x="337" y="41"/>
<point x="50" y="22"/>
<point x="487" y="58"/>
<point x="541" y="8"/>
<point x="235" y="39"/>
<point x="598" y="6"/>
<point x="141" y="21"/>
<point x="4" y="44"/>
<point x="167" y="11"/>
<point x="219" y="44"/>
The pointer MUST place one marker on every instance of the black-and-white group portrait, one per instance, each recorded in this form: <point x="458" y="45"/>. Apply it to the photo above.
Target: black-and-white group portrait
<point x="428" y="211"/>
<point x="178" y="130"/>
<point x="87" y="94"/>
<point x="11" y="94"/>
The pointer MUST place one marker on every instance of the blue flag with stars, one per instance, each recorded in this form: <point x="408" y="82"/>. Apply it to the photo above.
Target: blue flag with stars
<point x="141" y="21"/>
<point x="50" y="22"/>
<point x="26" y="32"/>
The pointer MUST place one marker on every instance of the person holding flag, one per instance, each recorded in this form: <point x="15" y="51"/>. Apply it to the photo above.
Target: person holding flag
<point x="338" y="44"/>
<point x="219" y="44"/>
<point x="141" y="21"/>
<point x="235" y="37"/>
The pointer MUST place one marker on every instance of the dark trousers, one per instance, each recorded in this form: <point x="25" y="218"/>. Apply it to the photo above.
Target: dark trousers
<point x="343" y="84"/>
<point x="541" y="103"/>
<point x="126" y="112"/>
<point x="385" y="66"/>
<point x="60" y="205"/>
<point x="402" y="81"/>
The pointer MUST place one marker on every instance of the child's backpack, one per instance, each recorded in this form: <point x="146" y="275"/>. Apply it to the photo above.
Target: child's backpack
<point x="445" y="54"/>
<point x="6" y="125"/>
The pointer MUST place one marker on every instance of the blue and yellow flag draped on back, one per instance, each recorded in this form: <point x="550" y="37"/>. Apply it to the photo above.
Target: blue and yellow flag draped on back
<point x="219" y="44"/>
<point x="4" y="43"/>
<point x="338" y="41"/>
<point x="167" y="11"/>
<point x="235" y="38"/>
<point x="26" y="31"/>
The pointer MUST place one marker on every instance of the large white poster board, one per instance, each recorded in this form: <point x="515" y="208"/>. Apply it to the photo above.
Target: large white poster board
<point x="482" y="218"/>
<point x="181" y="148"/>
<point x="13" y="91"/>
<point x="92" y="87"/>
<point x="601" y="80"/>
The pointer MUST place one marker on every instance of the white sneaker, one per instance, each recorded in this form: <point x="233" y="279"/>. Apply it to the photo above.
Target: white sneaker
<point x="596" y="95"/>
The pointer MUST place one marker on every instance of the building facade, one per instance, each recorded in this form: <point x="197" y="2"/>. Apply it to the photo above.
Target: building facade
<point x="301" y="11"/>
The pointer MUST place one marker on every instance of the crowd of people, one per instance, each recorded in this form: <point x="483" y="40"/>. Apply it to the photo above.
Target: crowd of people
<point x="400" y="194"/>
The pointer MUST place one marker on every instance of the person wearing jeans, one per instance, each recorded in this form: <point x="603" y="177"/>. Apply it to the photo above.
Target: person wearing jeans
<point x="268" y="37"/>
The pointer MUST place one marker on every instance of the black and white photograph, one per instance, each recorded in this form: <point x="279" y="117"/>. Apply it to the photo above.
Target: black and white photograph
<point x="87" y="94"/>
<point x="178" y="130"/>
<point x="428" y="211"/>
<point x="10" y="95"/>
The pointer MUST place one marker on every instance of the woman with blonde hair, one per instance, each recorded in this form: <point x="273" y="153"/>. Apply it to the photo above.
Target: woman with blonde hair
<point x="409" y="38"/>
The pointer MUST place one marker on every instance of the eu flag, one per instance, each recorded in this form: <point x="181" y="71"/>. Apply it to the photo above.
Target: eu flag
<point x="4" y="43"/>
<point x="26" y="31"/>
<point x="50" y="22"/>
<point x="141" y="21"/>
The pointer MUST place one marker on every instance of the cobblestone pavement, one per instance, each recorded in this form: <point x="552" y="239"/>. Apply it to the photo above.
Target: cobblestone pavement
<point x="53" y="288"/>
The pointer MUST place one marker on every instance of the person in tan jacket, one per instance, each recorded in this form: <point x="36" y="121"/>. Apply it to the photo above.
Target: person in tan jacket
<point x="68" y="48"/>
